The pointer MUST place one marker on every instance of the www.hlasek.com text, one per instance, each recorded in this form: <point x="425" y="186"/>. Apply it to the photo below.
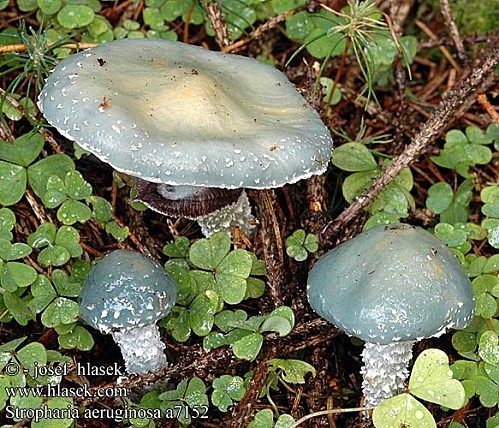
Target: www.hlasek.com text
<point x="65" y="392"/>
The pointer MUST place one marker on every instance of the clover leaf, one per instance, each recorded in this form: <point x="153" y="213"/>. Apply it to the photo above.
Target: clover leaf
<point x="207" y="254"/>
<point x="353" y="157"/>
<point x="231" y="275"/>
<point x="78" y="338"/>
<point x="244" y="335"/>
<point x="75" y="16"/>
<point x="58" y="245"/>
<point x="18" y="308"/>
<point x="265" y="419"/>
<point x="23" y="150"/>
<point x="178" y="249"/>
<point x="14" y="275"/>
<point x="402" y="410"/>
<point x="40" y="172"/>
<point x="30" y="355"/>
<point x="488" y="348"/>
<point x="12" y="183"/>
<point x="191" y="393"/>
<point x="102" y="210"/>
<point x="202" y="310"/>
<point x="293" y="371"/>
<point x="62" y="403"/>
<point x="300" y="243"/>
<point x="226" y="390"/>
<point x="462" y="151"/>
<point x="432" y="380"/>
<point x="7" y="223"/>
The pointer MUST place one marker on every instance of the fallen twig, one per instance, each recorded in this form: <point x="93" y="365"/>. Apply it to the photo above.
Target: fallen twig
<point x="454" y="33"/>
<point x="449" y="109"/>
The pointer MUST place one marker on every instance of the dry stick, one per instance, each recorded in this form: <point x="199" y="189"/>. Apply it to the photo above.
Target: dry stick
<point x="218" y="23"/>
<point x="489" y="108"/>
<point x="449" y="109"/>
<point x="273" y="248"/>
<point x="22" y="48"/>
<point x="443" y="49"/>
<point x="258" y="32"/>
<point x="219" y="357"/>
<point x="305" y="334"/>
<point x="276" y="347"/>
<point x="244" y="410"/>
<point x="399" y="10"/>
<point x="425" y="44"/>
<point x="454" y="33"/>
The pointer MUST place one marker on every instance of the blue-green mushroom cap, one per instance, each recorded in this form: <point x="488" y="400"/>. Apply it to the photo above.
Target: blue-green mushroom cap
<point x="392" y="283"/>
<point x="126" y="290"/>
<point x="177" y="114"/>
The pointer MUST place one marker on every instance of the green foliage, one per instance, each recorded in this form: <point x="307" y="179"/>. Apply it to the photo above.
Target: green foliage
<point x="357" y="27"/>
<point x="265" y="419"/>
<point x="28" y="67"/>
<point x="480" y="19"/>
<point x="464" y="150"/>
<point x="453" y="207"/>
<point x="319" y="31"/>
<point x="330" y="99"/>
<point x="431" y="380"/>
<point x="478" y="343"/>
<point x="209" y="275"/>
<point x="18" y="371"/>
<point x="300" y="243"/>
<point x="395" y="199"/>
<point x="57" y="184"/>
<point x="226" y="390"/>
<point x="292" y="371"/>
<point x="490" y="197"/>
<point x="243" y="334"/>
<point x="190" y="393"/>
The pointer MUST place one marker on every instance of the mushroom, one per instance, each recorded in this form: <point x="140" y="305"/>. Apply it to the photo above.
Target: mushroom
<point x="391" y="286"/>
<point x="174" y="114"/>
<point x="125" y="294"/>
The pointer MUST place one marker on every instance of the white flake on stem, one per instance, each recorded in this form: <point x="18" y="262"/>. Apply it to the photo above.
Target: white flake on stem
<point x="142" y="349"/>
<point x="237" y="214"/>
<point x="385" y="370"/>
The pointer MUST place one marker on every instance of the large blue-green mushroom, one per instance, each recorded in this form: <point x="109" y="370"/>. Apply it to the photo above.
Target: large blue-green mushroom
<point x="125" y="294"/>
<point x="184" y="120"/>
<point x="391" y="286"/>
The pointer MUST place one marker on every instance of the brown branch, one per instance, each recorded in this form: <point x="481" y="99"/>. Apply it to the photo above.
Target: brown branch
<point x="259" y="31"/>
<point x="449" y="109"/>
<point x="399" y="11"/>
<point x="304" y="335"/>
<point x="242" y="413"/>
<point x="273" y="248"/>
<point x="454" y="33"/>
<point x="218" y="23"/>
<point x="443" y="49"/>
<point x="22" y="48"/>
<point x="489" y="108"/>
<point x="427" y="44"/>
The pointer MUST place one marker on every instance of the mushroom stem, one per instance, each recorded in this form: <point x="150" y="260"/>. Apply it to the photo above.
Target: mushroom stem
<point x="142" y="349"/>
<point x="237" y="214"/>
<point x="385" y="370"/>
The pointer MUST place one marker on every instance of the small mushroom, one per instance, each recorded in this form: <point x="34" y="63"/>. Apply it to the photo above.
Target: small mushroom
<point x="125" y="294"/>
<point x="175" y="114"/>
<point x="391" y="286"/>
